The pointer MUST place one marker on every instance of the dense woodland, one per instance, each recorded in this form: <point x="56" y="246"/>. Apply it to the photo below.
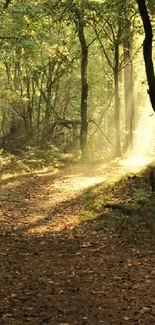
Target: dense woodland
<point x="72" y="74"/>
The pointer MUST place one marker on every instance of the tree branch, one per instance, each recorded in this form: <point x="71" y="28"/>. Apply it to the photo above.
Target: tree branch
<point x="101" y="131"/>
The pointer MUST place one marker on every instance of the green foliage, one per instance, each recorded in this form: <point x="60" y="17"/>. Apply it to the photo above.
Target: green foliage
<point x="11" y="164"/>
<point x="141" y="196"/>
<point x="34" y="158"/>
<point x="151" y="6"/>
<point x="35" y="152"/>
<point x="40" y="76"/>
<point x="87" y="216"/>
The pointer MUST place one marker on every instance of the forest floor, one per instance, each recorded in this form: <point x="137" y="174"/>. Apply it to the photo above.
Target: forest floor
<point x="77" y="247"/>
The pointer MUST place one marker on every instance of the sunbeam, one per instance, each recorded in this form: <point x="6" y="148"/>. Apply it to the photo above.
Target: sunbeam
<point x="142" y="152"/>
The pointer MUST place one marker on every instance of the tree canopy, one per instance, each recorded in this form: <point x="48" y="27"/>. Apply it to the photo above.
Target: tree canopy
<point x="71" y="74"/>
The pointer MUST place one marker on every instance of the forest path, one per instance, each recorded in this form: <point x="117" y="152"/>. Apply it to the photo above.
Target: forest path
<point x="40" y="197"/>
<point x="56" y="271"/>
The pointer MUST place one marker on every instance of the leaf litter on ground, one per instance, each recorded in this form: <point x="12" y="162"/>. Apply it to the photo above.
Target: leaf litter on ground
<point x="68" y="259"/>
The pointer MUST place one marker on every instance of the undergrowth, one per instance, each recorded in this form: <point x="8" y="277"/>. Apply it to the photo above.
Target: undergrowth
<point x="131" y="204"/>
<point x="32" y="159"/>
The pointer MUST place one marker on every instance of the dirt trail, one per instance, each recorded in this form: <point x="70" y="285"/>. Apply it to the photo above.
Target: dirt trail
<point x="32" y="199"/>
<point x="55" y="271"/>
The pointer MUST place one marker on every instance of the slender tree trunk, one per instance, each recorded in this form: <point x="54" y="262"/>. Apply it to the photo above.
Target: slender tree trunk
<point x="128" y="95"/>
<point x="117" y="100"/>
<point x="127" y="85"/>
<point x="84" y="85"/>
<point x="38" y="117"/>
<point x="147" y="50"/>
<point x="84" y="96"/>
<point x="132" y="115"/>
<point x="47" y="116"/>
<point x="29" y="107"/>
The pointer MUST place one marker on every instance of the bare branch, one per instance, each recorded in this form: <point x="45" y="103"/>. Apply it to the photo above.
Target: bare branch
<point x="101" y="131"/>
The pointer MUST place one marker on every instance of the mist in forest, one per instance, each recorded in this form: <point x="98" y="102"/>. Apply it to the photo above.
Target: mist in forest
<point x="143" y="149"/>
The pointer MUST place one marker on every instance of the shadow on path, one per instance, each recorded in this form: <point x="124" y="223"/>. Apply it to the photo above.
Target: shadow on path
<point x="79" y="275"/>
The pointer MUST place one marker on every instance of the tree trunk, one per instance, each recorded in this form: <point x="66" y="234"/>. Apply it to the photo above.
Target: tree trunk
<point x="127" y="84"/>
<point x="84" y="86"/>
<point x="128" y="94"/>
<point x="29" y="107"/>
<point x="117" y="101"/>
<point x="132" y="115"/>
<point x="147" y="50"/>
<point x="47" y="97"/>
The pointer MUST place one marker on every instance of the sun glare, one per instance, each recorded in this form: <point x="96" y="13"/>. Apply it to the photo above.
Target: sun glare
<point x="143" y="140"/>
<point x="136" y="161"/>
<point x="145" y="132"/>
